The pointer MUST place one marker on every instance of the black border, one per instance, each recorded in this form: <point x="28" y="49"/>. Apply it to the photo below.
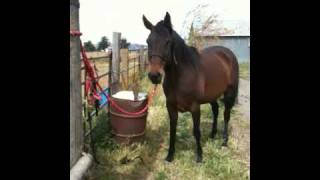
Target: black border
<point x="283" y="90"/>
<point x="35" y="85"/>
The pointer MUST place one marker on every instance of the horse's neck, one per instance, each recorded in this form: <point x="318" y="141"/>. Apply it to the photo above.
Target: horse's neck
<point x="181" y="60"/>
<point x="184" y="64"/>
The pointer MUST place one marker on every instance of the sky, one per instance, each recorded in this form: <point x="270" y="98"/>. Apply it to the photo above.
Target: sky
<point x="103" y="17"/>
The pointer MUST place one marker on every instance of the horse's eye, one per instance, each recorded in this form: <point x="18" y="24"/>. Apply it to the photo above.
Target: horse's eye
<point x="167" y="42"/>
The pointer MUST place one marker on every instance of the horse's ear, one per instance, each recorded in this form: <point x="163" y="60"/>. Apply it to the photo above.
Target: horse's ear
<point x="147" y="23"/>
<point x="167" y="22"/>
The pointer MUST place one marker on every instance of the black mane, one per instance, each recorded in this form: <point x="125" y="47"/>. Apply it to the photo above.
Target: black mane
<point x="183" y="52"/>
<point x="186" y="54"/>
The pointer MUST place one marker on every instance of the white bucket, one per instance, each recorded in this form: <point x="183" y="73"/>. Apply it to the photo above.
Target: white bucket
<point x="129" y="95"/>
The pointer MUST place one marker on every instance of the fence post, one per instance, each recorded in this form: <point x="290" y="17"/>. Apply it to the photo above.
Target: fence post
<point x="128" y="69"/>
<point x="123" y="66"/>
<point x="146" y="59"/>
<point x="141" y="61"/>
<point x="115" y="62"/>
<point x="109" y="84"/>
<point x="76" y="126"/>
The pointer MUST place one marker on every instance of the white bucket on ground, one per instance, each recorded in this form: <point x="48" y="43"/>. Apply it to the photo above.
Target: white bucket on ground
<point x="129" y="95"/>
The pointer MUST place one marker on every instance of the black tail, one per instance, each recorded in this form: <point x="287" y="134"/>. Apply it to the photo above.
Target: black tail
<point x="231" y="95"/>
<point x="235" y="88"/>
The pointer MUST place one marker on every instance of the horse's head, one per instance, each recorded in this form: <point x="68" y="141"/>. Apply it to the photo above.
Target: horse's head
<point x="160" y="46"/>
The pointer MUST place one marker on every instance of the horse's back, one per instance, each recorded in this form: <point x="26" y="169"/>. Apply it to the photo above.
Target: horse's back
<point x="220" y="68"/>
<point x="219" y="56"/>
<point x="221" y="53"/>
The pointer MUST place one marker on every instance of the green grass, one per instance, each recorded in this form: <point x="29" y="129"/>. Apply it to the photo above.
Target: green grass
<point x="244" y="70"/>
<point x="218" y="162"/>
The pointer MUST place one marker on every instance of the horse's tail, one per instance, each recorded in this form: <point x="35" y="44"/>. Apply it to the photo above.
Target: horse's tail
<point x="235" y="89"/>
<point x="236" y="77"/>
<point x="232" y="92"/>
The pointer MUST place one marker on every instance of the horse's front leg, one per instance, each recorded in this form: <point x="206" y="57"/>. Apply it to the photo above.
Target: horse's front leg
<point x="196" y="130"/>
<point x="173" y="115"/>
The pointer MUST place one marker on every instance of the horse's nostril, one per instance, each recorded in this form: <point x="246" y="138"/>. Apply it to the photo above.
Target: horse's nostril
<point x="155" y="77"/>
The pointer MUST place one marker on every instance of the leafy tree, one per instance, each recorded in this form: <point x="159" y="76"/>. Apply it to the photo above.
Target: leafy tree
<point x="124" y="43"/>
<point x="88" y="46"/>
<point x="203" y="25"/>
<point x="104" y="43"/>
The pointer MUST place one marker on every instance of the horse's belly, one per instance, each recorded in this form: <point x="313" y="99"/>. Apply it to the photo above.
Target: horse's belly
<point x="182" y="108"/>
<point x="217" y="80"/>
<point x="214" y="91"/>
<point x="184" y="104"/>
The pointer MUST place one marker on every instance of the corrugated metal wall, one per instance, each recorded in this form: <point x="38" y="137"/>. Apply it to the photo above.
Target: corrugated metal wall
<point x="240" y="45"/>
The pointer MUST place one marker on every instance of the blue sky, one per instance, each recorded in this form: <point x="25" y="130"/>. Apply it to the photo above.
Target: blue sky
<point x="102" y="17"/>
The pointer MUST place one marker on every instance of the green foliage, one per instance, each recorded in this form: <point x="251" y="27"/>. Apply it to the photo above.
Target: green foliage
<point x="124" y="43"/>
<point x="88" y="46"/>
<point x="104" y="43"/>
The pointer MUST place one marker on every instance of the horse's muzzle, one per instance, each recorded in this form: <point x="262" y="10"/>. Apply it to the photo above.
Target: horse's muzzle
<point x="155" y="78"/>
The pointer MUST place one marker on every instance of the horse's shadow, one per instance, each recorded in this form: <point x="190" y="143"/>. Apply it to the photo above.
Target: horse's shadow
<point x="185" y="140"/>
<point x="148" y="152"/>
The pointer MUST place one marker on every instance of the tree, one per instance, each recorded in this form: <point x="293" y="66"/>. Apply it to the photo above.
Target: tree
<point x="103" y="44"/>
<point x="191" y="36"/>
<point x="88" y="46"/>
<point x="124" y="43"/>
<point x="203" y="25"/>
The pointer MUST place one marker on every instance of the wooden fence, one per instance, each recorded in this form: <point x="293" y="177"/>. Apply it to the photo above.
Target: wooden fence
<point x="132" y="66"/>
<point x="115" y="72"/>
<point x="119" y="72"/>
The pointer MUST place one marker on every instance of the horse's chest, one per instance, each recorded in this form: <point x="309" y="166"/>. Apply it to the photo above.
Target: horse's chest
<point x="184" y="103"/>
<point x="183" y="94"/>
<point x="183" y="107"/>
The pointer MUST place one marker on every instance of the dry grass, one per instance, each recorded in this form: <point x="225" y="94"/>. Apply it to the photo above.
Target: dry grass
<point x="102" y="66"/>
<point x="218" y="162"/>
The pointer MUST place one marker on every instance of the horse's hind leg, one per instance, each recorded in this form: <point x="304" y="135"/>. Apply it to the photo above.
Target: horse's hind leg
<point x="229" y="101"/>
<point x="215" y="112"/>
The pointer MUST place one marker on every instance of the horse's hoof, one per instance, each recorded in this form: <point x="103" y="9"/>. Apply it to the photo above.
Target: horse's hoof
<point x="169" y="158"/>
<point x="225" y="144"/>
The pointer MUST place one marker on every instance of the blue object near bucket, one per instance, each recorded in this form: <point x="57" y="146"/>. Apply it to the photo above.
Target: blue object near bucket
<point x="104" y="99"/>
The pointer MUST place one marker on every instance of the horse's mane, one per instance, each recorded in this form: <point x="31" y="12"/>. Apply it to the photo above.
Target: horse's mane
<point x="189" y="53"/>
<point x="184" y="52"/>
<point x="195" y="50"/>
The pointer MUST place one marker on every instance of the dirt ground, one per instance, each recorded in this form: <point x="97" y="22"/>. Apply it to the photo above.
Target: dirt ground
<point x="244" y="98"/>
<point x="241" y="125"/>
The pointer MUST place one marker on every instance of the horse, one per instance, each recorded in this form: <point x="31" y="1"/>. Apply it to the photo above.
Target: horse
<point x="191" y="78"/>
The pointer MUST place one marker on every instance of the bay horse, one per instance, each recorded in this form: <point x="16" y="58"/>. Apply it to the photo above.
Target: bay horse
<point x="191" y="78"/>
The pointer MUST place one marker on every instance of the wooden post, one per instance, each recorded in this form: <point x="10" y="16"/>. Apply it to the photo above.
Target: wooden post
<point x="124" y="65"/>
<point x="134" y="70"/>
<point x="109" y="85"/>
<point x="76" y="126"/>
<point x="145" y="59"/>
<point x="128" y="70"/>
<point x="115" y="62"/>
<point x="141" y="62"/>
